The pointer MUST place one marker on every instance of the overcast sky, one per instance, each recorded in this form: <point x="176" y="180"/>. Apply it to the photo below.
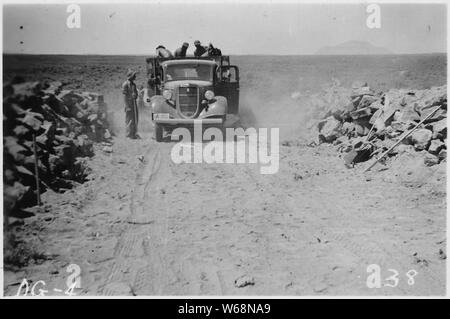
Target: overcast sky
<point x="235" y="28"/>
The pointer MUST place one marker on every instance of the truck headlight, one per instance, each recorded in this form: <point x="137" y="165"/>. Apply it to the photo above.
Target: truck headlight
<point x="167" y="94"/>
<point x="209" y="95"/>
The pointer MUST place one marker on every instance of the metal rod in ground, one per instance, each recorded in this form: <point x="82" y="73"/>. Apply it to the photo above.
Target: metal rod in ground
<point x="401" y="139"/>
<point x="36" y="171"/>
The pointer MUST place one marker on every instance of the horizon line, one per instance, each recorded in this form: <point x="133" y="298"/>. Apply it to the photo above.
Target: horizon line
<point x="231" y="54"/>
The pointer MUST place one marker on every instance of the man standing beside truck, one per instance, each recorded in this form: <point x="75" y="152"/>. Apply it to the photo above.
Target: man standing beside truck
<point x="130" y="94"/>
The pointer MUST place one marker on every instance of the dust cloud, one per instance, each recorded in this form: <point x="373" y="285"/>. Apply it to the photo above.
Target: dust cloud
<point x="276" y="106"/>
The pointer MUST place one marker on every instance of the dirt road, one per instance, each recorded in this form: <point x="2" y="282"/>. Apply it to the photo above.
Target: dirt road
<point x="147" y="226"/>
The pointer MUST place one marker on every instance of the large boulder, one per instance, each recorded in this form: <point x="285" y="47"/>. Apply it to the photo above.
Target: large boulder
<point x="435" y="147"/>
<point x="403" y="148"/>
<point x="362" y="126"/>
<point x="330" y="129"/>
<point x="407" y="114"/>
<point x="439" y="128"/>
<point x="437" y="116"/>
<point x="348" y="127"/>
<point x="442" y="155"/>
<point x="421" y="138"/>
<point x="361" y="112"/>
<point x="13" y="194"/>
<point x="366" y="101"/>
<point x="359" y="89"/>
<point x="53" y="88"/>
<point x="383" y="116"/>
<point x="402" y="126"/>
<point x="28" y="89"/>
<point x="430" y="159"/>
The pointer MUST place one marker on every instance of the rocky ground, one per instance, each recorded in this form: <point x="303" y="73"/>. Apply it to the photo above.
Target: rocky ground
<point x="142" y="225"/>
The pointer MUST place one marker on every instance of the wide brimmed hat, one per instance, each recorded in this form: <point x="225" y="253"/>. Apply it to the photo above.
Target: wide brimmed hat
<point x="131" y="73"/>
<point x="160" y="47"/>
<point x="185" y="44"/>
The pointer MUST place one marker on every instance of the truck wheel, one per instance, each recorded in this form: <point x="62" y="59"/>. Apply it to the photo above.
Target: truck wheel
<point x="158" y="132"/>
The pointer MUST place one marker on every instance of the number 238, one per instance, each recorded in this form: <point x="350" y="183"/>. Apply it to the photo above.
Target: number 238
<point x="374" y="279"/>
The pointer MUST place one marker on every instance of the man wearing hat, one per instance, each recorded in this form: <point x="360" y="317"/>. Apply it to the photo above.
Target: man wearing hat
<point x="181" y="52"/>
<point x="212" y="51"/>
<point x="130" y="94"/>
<point x="162" y="52"/>
<point x="199" y="48"/>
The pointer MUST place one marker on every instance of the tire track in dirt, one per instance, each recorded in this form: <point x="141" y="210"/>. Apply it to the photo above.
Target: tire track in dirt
<point x="253" y="210"/>
<point x="142" y="264"/>
<point x="268" y="205"/>
<point x="153" y="277"/>
<point x="192" y="276"/>
<point x="223" y="278"/>
<point x="275" y="233"/>
<point x="129" y="250"/>
<point x="161" y="272"/>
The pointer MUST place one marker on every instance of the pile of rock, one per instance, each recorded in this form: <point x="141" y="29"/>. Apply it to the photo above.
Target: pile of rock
<point x="371" y="122"/>
<point x="59" y="126"/>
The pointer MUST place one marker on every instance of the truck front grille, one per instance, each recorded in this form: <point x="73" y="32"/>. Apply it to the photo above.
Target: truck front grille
<point x="188" y="100"/>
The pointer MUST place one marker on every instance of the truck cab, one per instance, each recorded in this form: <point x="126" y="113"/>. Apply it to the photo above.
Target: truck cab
<point x="188" y="89"/>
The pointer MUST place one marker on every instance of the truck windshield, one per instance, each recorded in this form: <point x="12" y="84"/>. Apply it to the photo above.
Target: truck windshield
<point x="189" y="72"/>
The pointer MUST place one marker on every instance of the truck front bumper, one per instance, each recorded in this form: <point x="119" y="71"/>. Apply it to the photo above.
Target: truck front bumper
<point x="207" y="121"/>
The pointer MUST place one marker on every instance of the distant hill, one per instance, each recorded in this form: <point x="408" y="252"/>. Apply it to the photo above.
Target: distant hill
<point x="353" y="48"/>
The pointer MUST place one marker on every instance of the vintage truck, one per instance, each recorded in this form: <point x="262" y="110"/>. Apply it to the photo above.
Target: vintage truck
<point x="181" y="90"/>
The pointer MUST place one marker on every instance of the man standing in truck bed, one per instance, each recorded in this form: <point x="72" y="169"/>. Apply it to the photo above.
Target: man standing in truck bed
<point x="162" y="52"/>
<point x="130" y="95"/>
<point x="199" y="49"/>
<point x="181" y="52"/>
